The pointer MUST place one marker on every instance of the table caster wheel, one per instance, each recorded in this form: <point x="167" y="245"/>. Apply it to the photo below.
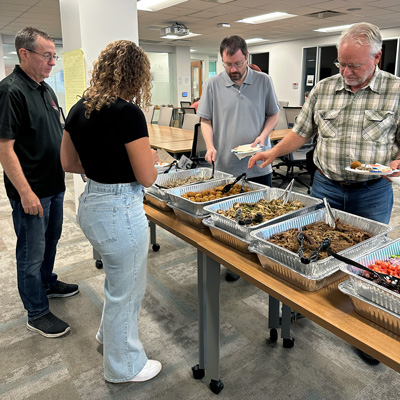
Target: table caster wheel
<point x="156" y="247"/>
<point x="216" y="386"/>
<point x="198" y="373"/>
<point x="99" y="264"/>
<point x="273" y="335"/>
<point x="288" y="343"/>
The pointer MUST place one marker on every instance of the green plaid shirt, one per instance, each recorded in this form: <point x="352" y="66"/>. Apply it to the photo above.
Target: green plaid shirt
<point x="363" y="126"/>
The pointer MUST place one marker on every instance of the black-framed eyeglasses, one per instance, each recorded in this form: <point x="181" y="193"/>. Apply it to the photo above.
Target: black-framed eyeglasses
<point x="236" y="64"/>
<point x="342" y="65"/>
<point x="47" y="56"/>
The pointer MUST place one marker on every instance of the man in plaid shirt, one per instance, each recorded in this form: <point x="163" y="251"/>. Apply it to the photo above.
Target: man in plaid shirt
<point x="356" y="114"/>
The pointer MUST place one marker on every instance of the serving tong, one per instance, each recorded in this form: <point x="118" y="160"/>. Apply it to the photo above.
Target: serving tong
<point x="287" y="192"/>
<point x="170" y="166"/>
<point x="229" y="186"/>
<point x="329" y="217"/>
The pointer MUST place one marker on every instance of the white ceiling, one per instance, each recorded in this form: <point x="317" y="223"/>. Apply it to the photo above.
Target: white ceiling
<point x="202" y="16"/>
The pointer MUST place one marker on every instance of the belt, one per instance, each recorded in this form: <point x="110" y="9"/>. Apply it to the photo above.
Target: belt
<point x="350" y="185"/>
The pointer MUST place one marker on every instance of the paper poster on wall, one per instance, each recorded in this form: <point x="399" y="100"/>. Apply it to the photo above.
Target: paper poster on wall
<point x="74" y="76"/>
<point x="310" y="80"/>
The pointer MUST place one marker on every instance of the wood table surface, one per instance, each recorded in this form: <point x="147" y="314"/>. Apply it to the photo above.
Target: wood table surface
<point x="279" y="134"/>
<point x="171" y="139"/>
<point x="328" y="307"/>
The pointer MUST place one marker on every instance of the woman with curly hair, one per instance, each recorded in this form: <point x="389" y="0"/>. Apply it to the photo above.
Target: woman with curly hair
<point x="106" y="138"/>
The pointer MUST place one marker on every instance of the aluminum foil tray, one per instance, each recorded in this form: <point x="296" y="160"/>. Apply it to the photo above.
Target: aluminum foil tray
<point x="305" y="282"/>
<point x="180" y="202"/>
<point x="230" y="239"/>
<point x="310" y="204"/>
<point x="370" y="290"/>
<point x="188" y="217"/>
<point x="200" y="173"/>
<point x="370" y="310"/>
<point x="329" y="264"/>
<point x="156" y="202"/>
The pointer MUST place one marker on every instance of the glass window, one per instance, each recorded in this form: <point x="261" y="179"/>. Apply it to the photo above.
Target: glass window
<point x="212" y="68"/>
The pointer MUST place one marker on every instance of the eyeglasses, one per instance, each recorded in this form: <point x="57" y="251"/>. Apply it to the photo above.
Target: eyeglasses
<point x="47" y="56"/>
<point x="236" y="64"/>
<point x="342" y="65"/>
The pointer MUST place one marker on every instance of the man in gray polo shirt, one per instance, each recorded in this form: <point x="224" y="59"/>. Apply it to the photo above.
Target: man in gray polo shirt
<point x="237" y="106"/>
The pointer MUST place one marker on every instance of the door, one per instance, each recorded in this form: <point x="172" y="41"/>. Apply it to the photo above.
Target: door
<point x="196" y="81"/>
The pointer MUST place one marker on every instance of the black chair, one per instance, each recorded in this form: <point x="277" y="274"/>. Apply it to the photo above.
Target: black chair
<point x="199" y="148"/>
<point x="188" y="110"/>
<point x="185" y="104"/>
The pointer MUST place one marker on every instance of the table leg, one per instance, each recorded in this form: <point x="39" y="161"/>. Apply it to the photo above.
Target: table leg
<point x="153" y="238"/>
<point x="273" y="318"/>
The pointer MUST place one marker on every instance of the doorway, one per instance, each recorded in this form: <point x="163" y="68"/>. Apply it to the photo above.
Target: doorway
<point x="196" y="78"/>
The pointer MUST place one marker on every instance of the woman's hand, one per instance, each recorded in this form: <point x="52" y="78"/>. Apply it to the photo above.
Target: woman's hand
<point x="155" y="156"/>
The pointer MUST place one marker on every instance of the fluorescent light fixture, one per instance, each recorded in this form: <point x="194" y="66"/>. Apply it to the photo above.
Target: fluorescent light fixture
<point x="256" y="40"/>
<point x="260" y="19"/>
<point x="180" y="37"/>
<point x="193" y="50"/>
<point x="333" y="28"/>
<point x="224" y="25"/>
<point x="156" y="5"/>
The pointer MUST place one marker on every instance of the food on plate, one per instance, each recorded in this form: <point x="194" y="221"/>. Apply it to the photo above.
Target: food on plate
<point x="254" y="213"/>
<point x="159" y="164"/>
<point x="342" y="237"/>
<point x="214" y="193"/>
<point x="355" y="164"/>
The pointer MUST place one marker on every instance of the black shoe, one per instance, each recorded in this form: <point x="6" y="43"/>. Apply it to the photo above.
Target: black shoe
<point x="48" y="325"/>
<point x="62" y="289"/>
<point x="231" y="276"/>
<point x="367" y="358"/>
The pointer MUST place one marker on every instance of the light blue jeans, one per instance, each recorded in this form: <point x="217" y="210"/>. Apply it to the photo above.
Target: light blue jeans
<point x="113" y="220"/>
<point x="373" y="201"/>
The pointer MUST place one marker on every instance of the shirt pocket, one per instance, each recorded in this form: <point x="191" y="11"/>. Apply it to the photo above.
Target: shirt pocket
<point x="377" y="124"/>
<point x="328" y="123"/>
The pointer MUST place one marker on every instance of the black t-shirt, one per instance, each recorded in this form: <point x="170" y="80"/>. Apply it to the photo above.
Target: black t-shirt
<point x="100" y="140"/>
<point x="29" y="114"/>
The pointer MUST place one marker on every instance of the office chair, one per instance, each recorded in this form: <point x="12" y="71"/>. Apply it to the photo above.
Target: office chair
<point x="165" y="117"/>
<point x="282" y="121"/>
<point x="188" y="110"/>
<point x="190" y="120"/>
<point x="291" y="115"/>
<point x="185" y="104"/>
<point x="283" y="103"/>
<point x="149" y="113"/>
<point x="199" y="148"/>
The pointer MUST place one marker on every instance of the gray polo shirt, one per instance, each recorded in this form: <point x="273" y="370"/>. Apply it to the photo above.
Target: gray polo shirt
<point x="238" y="116"/>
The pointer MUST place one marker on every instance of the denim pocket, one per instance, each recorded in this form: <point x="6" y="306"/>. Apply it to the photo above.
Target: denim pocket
<point x="99" y="225"/>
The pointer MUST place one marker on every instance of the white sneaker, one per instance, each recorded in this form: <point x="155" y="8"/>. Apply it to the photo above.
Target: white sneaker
<point x="149" y="371"/>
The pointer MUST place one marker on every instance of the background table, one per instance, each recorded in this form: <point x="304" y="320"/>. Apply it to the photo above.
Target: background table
<point x="173" y="140"/>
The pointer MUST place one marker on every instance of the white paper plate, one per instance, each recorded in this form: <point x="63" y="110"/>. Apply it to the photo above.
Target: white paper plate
<point x="161" y="164"/>
<point x="375" y="171"/>
<point x="243" y="154"/>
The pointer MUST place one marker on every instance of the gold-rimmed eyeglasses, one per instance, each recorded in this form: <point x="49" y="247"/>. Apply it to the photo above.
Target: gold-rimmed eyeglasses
<point x="342" y="65"/>
<point x="236" y="64"/>
<point x="47" y="56"/>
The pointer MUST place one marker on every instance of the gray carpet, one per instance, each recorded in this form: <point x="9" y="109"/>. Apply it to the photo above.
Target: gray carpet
<point x="319" y="366"/>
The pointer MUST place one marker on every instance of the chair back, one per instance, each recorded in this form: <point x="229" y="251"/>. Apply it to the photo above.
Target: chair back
<point x="185" y="104"/>
<point x="188" y="110"/>
<point x="165" y="117"/>
<point x="291" y="115"/>
<point x="148" y="114"/>
<point x="199" y="148"/>
<point x="282" y="121"/>
<point x="190" y="120"/>
<point x="283" y="103"/>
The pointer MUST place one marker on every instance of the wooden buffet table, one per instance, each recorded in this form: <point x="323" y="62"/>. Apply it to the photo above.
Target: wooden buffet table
<point x="173" y="140"/>
<point x="327" y="307"/>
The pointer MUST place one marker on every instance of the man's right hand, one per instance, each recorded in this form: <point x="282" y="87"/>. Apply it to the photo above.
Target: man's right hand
<point x="211" y="155"/>
<point x="31" y="204"/>
<point x="266" y="156"/>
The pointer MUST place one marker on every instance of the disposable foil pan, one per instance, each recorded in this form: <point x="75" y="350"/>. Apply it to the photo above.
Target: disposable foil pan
<point x="230" y="239"/>
<point x="178" y="201"/>
<point x="370" y="290"/>
<point x="370" y="310"/>
<point x="156" y="202"/>
<point x="329" y="264"/>
<point x="310" y="204"/>
<point x="303" y="281"/>
<point x="200" y="173"/>
<point x="191" y="219"/>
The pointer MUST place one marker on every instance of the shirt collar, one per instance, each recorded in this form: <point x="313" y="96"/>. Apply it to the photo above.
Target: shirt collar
<point x="375" y="82"/>
<point x="28" y="80"/>
<point x="248" y="80"/>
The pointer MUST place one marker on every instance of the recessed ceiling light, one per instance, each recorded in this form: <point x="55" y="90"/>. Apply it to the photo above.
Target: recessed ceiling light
<point x="193" y="50"/>
<point x="224" y="25"/>
<point x="256" y="40"/>
<point x="180" y="37"/>
<point x="259" y="19"/>
<point x="156" y="5"/>
<point x="333" y="28"/>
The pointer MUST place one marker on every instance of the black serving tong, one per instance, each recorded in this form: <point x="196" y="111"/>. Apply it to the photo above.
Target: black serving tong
<point x="160" y="186"/>
<point x="229" y="186"/>
<point x="170" y="166"/>
<point x="385" y="278"/>
<point x="314" y="254"/>
<point x="213" y="169"/>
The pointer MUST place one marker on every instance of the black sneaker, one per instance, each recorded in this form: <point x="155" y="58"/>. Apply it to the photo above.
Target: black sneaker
<point x="230" y="276"/>
<point x="62" y="289"/>
<point x="48" y="325"/>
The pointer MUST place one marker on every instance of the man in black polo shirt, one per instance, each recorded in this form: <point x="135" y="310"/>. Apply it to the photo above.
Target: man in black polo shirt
<point x="30" y="139"/>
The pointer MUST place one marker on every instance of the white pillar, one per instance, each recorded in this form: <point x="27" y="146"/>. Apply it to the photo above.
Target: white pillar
<point x="2" y="64"/>
<point x="181" y="71"/>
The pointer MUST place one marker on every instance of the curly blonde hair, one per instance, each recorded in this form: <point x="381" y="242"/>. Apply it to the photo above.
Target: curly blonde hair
<point x="122" y="70"/>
